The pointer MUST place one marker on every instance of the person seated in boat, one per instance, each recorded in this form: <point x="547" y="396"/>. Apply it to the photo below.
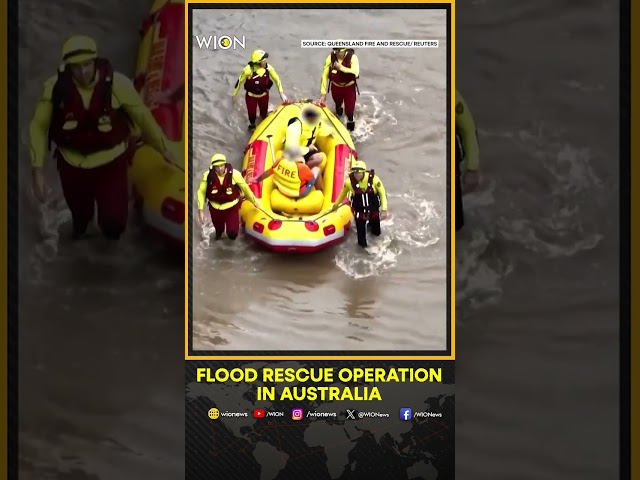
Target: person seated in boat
<point x="303" y="131"/>
<point x="291" y="175"/>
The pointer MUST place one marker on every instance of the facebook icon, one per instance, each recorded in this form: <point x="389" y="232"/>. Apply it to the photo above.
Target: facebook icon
<point x="405" y="414"/>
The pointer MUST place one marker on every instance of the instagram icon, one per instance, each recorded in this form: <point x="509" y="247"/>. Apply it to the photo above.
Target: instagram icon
<point x="296" y="414"/>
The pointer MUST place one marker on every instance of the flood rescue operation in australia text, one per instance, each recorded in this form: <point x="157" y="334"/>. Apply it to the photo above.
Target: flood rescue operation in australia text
<point x="317" y="375"/>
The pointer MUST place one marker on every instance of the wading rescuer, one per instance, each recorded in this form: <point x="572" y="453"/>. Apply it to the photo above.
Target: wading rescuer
<point x="291" y="175"/>
<point x="222" y="187"/>
<point x="342" y="70"/>
<point x="258" y="78"/>
<point x="304" y="130"/>
<point x="369" y="200"/>
<point x="86" y="109"/>
<point x="467" y="156"/>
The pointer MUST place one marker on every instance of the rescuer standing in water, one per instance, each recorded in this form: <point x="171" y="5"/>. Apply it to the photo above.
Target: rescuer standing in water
<point x="467" y="156"/>
<point x="86" y="109"/>
<point x="342" y="70"/>
<point x="221" y="186"/>
<point x="369" y="200"/>
<point x="258" y="78"/>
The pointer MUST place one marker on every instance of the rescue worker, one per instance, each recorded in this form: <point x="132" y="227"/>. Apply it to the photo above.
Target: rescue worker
<point x="222" y="187"/>
<point x="258" y="78"/>
<point x="304" y="130"/>
<point x="291" y="175"/>
<point x="341" y="70"/>
<point x="86" y="109"/>
<point x="369" y="200"/>
<point x="467" y="156"/>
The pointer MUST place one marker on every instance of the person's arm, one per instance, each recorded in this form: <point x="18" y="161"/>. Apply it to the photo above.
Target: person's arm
<point x="354" y="68"/>
<point x="378" y="187"/>
<point x="276" y="79"/>
<point x="202" y="191"/>
<point x="239" y="181"/>
<point x="39" y="126"/>
<point x="132" y="103"/>
<point x="244" y="75"/>
<point x="324" y="81"/>
<point x="292" y="137"/>
<point x="345" y="190"/>
<point x="266" y="174"/>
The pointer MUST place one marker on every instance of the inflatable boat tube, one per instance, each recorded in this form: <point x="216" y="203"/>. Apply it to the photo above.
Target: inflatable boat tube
<point x="158" y="186"/>
<point x="283" y="224"/>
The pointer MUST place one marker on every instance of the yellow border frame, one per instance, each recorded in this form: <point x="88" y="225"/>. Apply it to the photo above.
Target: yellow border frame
<point x="187" y="46"/>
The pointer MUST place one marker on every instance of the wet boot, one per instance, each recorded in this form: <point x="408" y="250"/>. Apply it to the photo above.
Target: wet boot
<point x="351" y="124"/>
<point x="252" y="126"/>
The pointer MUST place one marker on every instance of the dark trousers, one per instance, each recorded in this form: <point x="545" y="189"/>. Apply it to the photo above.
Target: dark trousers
<point x="228" y="220"/>
<point x="255" y="103"/>
<point x="106" y="187"/>
<point x="346" y="95"/>
<point x="361" y="227"/>
<point x="458" y="190"/>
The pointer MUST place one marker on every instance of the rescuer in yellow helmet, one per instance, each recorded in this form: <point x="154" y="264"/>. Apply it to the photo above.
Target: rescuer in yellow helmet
<point x="368" y="200"/>
<point x="85" y="110"/>
<point x="340" y="73"/>
<point x="258" y="78"/>
<point x="221" y="186"/>
<point x="467" y="156"/>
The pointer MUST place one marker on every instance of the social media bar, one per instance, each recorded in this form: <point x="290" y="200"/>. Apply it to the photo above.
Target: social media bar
<point x="405" y="414"/>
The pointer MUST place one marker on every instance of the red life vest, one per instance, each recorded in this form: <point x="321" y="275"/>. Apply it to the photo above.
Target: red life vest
<point x="338" y="77"/>
<point x="98" y="128"/>
<point x="222" y="192"/>
<point x="364" y="201"/>
<point x="258" y="84"/>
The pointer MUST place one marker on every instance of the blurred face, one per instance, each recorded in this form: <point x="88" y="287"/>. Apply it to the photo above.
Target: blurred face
<point x="359" y="175"/>
<point x="84" y="72"/>
<point x="263" y="63"/>
<point x="311" y="117"/>
<point x="341" y="54"/>
<point x="220" y="169"/>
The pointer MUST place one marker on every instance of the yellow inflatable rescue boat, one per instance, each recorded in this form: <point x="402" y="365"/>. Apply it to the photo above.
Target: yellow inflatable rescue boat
<point x="284" y="224"/>
<point x="158" y="186"/>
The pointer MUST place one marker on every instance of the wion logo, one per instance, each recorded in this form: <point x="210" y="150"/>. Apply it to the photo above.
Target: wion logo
<point x="220" y="42"/>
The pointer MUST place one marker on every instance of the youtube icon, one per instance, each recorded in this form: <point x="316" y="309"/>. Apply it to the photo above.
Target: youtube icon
<point x="259" y="413"/>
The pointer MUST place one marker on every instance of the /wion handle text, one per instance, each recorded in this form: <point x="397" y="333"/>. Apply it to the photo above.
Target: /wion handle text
<point x="427" y="415"/>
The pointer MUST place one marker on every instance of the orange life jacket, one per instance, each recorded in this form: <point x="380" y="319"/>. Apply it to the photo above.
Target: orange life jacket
<point x="338" y="77"/>
<point x="222" y="191"/>
<point x="87" y="130"/>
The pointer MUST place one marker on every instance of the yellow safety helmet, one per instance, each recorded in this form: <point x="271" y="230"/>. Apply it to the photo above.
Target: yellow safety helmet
<point x="258" y="55"/>
<point x="359" y="166"/>
<point x="79" y="49"/>
<point x="218" y="159"/>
